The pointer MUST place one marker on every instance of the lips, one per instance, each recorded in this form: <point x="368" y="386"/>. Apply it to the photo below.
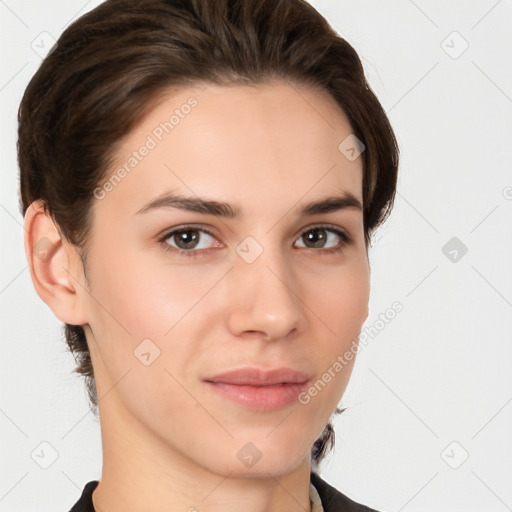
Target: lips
<point x="259" y="377"/>
<point x="261" y="390"/>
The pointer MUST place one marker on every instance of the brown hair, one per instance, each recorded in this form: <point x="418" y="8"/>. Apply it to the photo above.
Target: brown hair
<point x="110" y="66"/>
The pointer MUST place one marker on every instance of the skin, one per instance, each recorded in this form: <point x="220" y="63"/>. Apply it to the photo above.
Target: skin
<point x="169" y="443"/>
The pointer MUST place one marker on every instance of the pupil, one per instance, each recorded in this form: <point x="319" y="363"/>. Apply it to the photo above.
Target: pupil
<point x="186" y="239"/>
<point x="316" y="236"/>
<point x="189" y="237"/>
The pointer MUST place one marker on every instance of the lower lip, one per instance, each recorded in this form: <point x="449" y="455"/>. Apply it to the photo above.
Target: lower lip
<point x="261" y="398"/>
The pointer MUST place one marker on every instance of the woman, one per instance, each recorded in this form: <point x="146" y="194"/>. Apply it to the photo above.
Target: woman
<point x="200" y="180"/>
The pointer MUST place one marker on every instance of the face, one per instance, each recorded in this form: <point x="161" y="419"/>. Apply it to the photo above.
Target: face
<point x="183" y="291"/>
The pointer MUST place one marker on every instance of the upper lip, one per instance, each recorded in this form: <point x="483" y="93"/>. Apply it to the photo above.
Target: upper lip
<point x="260" y="377"/>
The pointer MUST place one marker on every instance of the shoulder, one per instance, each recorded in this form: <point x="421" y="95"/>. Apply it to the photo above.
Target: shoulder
<point x="333" y="500"/>
<point x="84" y="504"/>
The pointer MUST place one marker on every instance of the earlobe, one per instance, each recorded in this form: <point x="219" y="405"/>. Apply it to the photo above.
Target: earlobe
<point x="53" y="267"/>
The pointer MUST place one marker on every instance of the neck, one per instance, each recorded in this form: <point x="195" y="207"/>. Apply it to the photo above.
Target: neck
<point x="141" y="472"/>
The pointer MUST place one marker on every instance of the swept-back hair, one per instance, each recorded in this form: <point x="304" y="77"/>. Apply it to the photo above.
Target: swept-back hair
<point x="110" y="67"/>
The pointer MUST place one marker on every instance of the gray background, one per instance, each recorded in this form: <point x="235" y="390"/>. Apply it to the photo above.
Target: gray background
<point x="429" y="404"/>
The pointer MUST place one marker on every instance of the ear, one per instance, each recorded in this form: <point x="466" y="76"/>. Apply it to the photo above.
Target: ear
<point x="55" y="266"/>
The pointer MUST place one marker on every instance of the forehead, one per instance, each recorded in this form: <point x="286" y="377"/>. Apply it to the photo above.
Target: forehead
<point x="231" y="141"/>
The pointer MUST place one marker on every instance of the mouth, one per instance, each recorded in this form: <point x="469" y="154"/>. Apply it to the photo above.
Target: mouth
<point x="262" y="390"/>
<point x="260" y="377"/>
<point x="261" y="398"/>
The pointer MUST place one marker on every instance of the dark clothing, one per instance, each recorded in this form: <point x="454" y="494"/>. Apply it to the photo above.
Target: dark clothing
<point x="332" y="499"/>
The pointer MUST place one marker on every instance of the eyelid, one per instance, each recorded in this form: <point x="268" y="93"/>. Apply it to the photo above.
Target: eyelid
<point x="342" y="232"/>
<point x="346" y="238"/>
<point x="169" y="231"/>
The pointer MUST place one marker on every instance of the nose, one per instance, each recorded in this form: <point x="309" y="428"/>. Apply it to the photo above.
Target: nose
<point x="264" y="299"/>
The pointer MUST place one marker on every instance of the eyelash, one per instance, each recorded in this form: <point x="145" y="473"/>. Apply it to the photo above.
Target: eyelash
<point x="192" y="253"/>
<point x="345" y="240"/>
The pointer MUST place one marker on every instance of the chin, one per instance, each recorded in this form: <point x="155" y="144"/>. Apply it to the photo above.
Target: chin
<point x="264" y="458"/>
<point x="263" y="469"/>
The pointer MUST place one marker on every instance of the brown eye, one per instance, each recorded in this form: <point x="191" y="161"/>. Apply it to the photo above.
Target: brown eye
<point x="316" y="237"/>
<point x="188" y="239"/>
<point x="323" y="237"/>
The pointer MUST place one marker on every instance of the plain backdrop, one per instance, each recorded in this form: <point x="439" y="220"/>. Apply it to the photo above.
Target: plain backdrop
<point x="429" y="410"/>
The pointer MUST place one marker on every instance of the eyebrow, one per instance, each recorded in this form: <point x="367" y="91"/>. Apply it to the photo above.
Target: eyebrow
<point x="222" y="209"/>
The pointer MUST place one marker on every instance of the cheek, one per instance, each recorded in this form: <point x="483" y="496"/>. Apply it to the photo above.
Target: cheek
<point x="341" y="304"/>
<point x="341" y="299"/>
<point x="156" y="314"/>
<point x="147" y="298"/>
<point x="143" y="321"/>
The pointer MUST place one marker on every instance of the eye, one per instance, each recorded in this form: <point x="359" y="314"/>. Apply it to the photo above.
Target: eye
<point x="327" y="238"/>
<point x="192" y="242"/>
<point x="188" y="241"/>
